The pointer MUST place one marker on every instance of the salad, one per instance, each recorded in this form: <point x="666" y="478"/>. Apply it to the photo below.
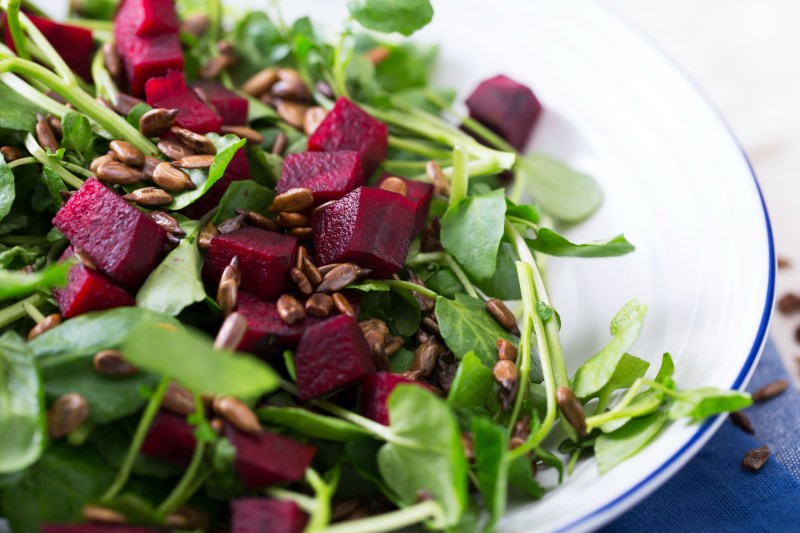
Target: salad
<point x="253" y="281"/>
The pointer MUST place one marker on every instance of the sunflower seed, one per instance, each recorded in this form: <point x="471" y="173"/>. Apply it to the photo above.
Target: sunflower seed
<point x="228" y="296"/>
<point x="112" y="363"/>
<point x="149" y="167"/>
<point x="374" y="324"/>
<point x="49" y="322"/>
<point x="301" y="233"/>
<point x="232" y="224"/>
<point x="301" y="281"/>
<point x="338" y="278"/>
<point x="102" y="515"/>
<point x="505" y="373"/>
<point x="66" y="195"/>
<point x="158" y="121"/>
<point x="194" y="161"/>
<point x="102" y="160"/>
<point x="44" y="134"/>
<point x="502" y="315"/>
<point x="172" y="179"/>
<point x="755" y="459"/>
<point x="55" y="125"/>
<point x="319" y="305"/>
<point x="324" y="269"/>
<point x="260" y="82"/>
<point x="343" y="509"/>
<point x="258" y="220"/>
<point x="118" y="173"/>
<point x="394" y="184"/>
<point x="200" y="144"/>
<point x="290" y="89"/>
<point x="279" y="145"/>
<point x="571" y="408"/>
<point x="311" y="272"/>
<point x="231" y="333"/>
<point x="66" y="415"/>
<point x="322" y="207"/>
<point x="302" y="255"/>
<point x="207" y="232"/>
<point x="112" y="61"/>
<point x="125" y="103"/>
<point x="770" y="390"/>
<point x="378" y="54"/>
<point x="178" y="400"/>
<point x="425" y="357"/>
<point x="290" y="310"/>
<point x="343" y="305"/>
<point x="174" y="149"/>
<point x="313" y="118"/>
<point x="430" y="324"/>
<point x="440" y="183"/>
<point x="292" y="113"/>
<point x="469" y="446"/>
<point x="214" y="67"/>
<point x="149" y="196"/>
<point x="292" y="201"/>
<point x="243" y="132"/>
<point x="218" y="425"/>
<point x="393" y="345"/>
<point x="232" y="272"/>
<point x="11" y="153"/>
<point x="237" y="413"/>
<point x="127" y="153"/>
<point x="203" y="96"/>
<point x="506" y="350"/>
<point x="741" y="420"/>
<point x="292" y="220"/>
<point x="167" y="222"/>
<point x="84" y="259"/>
<point x="195" y="24"/>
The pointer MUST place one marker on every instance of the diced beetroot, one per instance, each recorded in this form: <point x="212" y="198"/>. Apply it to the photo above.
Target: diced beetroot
<point x="148" y="17"/>
<point x="348" y="127"/>
<point x="88" y="290"/>
<point x="506" y="107"/>
<point x="237" y="170"/>
<point x="331" y="354"/>
<point x="268" y="458"/>
<point x="229" y="105"/>
<point x="146" y="57"/>
<point x="98" y="528"/>
<point x="124" y="243"/>
<point x="369" y="227"/>
<point x="170" y="438"/>
<point x="262" y="515"/>
<point x="375" y="390"/>
<point x="171" y="92"/>
<point x="263" y="321"/>
<point x="329" y="175"/>
<point x="265" y="258"/>
<point x="74" y="44"/>
<point x="420" y="194"/>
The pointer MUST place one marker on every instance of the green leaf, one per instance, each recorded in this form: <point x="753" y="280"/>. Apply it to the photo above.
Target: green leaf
<point x="595" y="373"/>
<point x="491" y="465"/>
<point x="612" y="448"/>
<point x="175" y="284"/>
<point x="227" y="146"/>
<point x="77" y="132"/>
<point x="472" y="384"/>
<point x="520" y="476"/>
<point x="54" y="185"/>
<point x="259" y="43"/>
<point x="311" y="424"/>
<point x="245" y="194"/>
<point x="112" y="442"/>
<point x="190" y="358"/>
<point x="563" y="193"/>
<point x="472" y="230"/>
<point x="15" y="284"/>
<point x="387" y="16"/>
<point x="526" y="212"/>
<point x="406" y="67"/>
<point x="427" y="453"/>
<point x="629" y="369"/>
<point x="444" y="282"/>
<point x="551" y="243"/>
<point x="699" y="404"/>
<point x="22" y="419"/>
<point x="504" y="284"/>
<point x="7" y="189"/>
<point x="395" y="306"/>
<point x="17" y="113"/>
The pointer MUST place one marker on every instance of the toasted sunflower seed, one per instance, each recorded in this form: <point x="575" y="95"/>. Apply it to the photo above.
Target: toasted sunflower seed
<point x="194" y="161"/>
<point x="324" y="269"/>
<point x="770" y="390"/>
<point x="571" y="408"/>
<point x="118" y="173"/>
<point x="338" y="278"/>
<point x="374" y="324"/>
<point x="102" y="160"/>
<point x="149" y="196"/>
<point x="302" y="255"/>
<point x="506" y="350"/>
<point x="505" y="373"/>
<point x="741" y="420"/>
<point x="232" y="224"/>
<point x="232" y="272"/>
<point x="207" y="232"/>
<point x="84" y="259"/>
<point x="755" y="459"/>
<point x="49" y="322"/>
<point x="292" y="220"/>
<point x="319" y="305"/>
<point x="55" y="124"/>
<point x="44" y="134"/>
<point x="172" y="179"/>
<point x="430" y="324"/>
<point x="67" y="413"/>
<point x="102" y="515"/>
<point x="292" y="201"/>
<point x="279" y="145"/>
<point x="195" y="24"/>
<point x="313" y="118"/>
<point x="200" y="144"/>
<point x="112" y="363"/>
<point x="441" y="185"/>
<point x="127" y="153"/>
<point x="393" y="345"/>
<point x="178" y="400"/>
<point x="292" y="113"/>
<point x="311" y="272"/>
<point x="149" y="167"/>
<point x="66" y="195"/>
<point x="343" y="305"/>
<point x="237" y="413"/>
<point x="231" y="333"/>
<point x="425" y="357"/>
<point x="394" y="184"/>
<point x="157" y="121"/>
<point x="301" y="233"/>
<point x="378" y="54"/>
<point x="290" y="89"/>
<point x="243" y="132"/>
<point x="502" y="314"/>
<point x="12" y="153"/>
<point x="214" y="66"/>
<point x="112" y="60"/>
<point x="167" y="222"/>
<point x="344" y="509"/>
<point x="173" y="149"/>
<point x="125" y="103"/>
<point x="290" y="310"/>
<point x="260" y="82"/>
<point x="228" y="296"/>
<point x="258" y="220"/>
<point x="301" y="281"/>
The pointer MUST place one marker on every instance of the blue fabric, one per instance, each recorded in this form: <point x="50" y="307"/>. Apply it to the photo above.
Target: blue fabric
<point x="713" y="493"/>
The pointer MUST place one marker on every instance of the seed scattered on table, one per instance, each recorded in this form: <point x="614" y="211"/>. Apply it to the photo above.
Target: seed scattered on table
<point x="755" y="459"/>
<point x="770" y="390"/>
<point x="789" y="304"/>
<point x="742" y="421"/>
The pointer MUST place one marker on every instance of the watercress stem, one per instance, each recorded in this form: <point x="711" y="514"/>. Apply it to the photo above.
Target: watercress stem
<point x="15" y="29"/>
<point x="528" y="292"/>
<point x="33" y="312"/>
<point x="321" y="515"/>
<point x="214" y="14"/>
<point x="461" y="275"/>
<point x="424" y="258"/>
<point x="306" y="503"/>
<point x="50" y="53"/>
<point x="459" y="182"/>
<point x="40" y="155"/>
<point x="400" y="284"/>
<point x="392" y="521"/>
<point x="16" y="311"/>
<point x="104" y="83"/>
<point x="601" y="418"/>
<point x="30" y="93"/>
<point x="418" y="147"/>
<point x="21" y="162"/>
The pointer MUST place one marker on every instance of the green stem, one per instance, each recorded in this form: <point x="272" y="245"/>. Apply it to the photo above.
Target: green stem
<point x="15" y="29"/>
<point x="400" y="284"/>
<point x="459" y="182"/>
<point x="29" y="240"/>
<point x="392" y="521"/>
<point x="418" y="147"/>
<point x="34" y="313"/>
<point x="306" y="503"/>
<point x="461" y="275"/>
<point x="22" y="161"/>
<point x="397" y="164"/>
<point x="102" y="26"/>
<point x="16" y="311"/>
<point x="104" y="83"/>
<point x="150" y="412"/>
<point x="600" y="419"/>
<point x="40" y="155"/>
<point x="321" y="514"/>
<point x="479" y="167"/>
<point x="523" y="354"/>
<point x="425" y="257"/>
<point x="50" y="53"/>
<point x="33" y="95"/>
<point x="214" y="14"/>
<point x="77" y="168"/>
<point x="340" y="65"/>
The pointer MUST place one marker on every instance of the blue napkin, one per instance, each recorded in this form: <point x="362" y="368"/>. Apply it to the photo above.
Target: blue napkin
<point x="713" y="493"/>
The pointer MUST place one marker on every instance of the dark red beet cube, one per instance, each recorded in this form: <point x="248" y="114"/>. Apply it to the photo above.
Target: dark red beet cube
<point x="237" y="170"/>
<point x="171" y="92"/>
<point x="506" y="107"/>
<point x="146" y="57"/>
<point x="74" y="44"/>
<point x="369" y="227"/>
<point x="229" y="105"/>
<point x="265" y="258"/>
<point x="268" y="458"/>
<point x="329" y="175"/>
<point x="331" y="354"/>
<point x="262" y="515"/>
<point x="122" y="241"/>
<point x="98" y="528"/>
<point x="420" y="194"/>
<point x="170" y="438"/>
<point x="348" y="127"/>
<point x="88" y="290"/>
<point x="148" y="17"/>
<point x="263" y="322"/>
<point x="375" y="390"/>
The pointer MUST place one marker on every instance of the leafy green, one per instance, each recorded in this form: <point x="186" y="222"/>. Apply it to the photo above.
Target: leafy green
<point x="77" y="133"/>
<point x="7" y="189"/>
<point x="112" y="442"/>
<point x="395" y="306"/>
<point x="472" y="230"/>
<point x="22" y="420"/>
<point x="504" y="284"/>
<point x="699" y="404"/>
<point x="245" y="194"/>
<point x="190" y="358"/>
<point x="613" y="448"/>
<point x="55" y="186"/>
<point x="520" y="476"/>
<point x="311" y="424"/>
<point x="16" y="284"/>
<point x="17" y="112"/>
<point x="472" y="384"/>
<point x="405" y="68"/>
<point x="491" y="465"/>
<point x="549" y="242"/>
<point x="443" y="282"/>
<point x="259" y="43"/>
<point x="387" y="16"/>
<point x="629" y="369"/>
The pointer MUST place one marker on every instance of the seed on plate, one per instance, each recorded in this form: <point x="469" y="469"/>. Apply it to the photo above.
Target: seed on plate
<point x="425" y="357"/>
<point x="324" y="89"/>
<point x="102" y="515"/>
<point x="195" y="24"/>
<point x="55" y="125"/>
<point x="522" y="428"/>
<point x="789" y="303"/>
<point x="112" y="363"/>
<point x="167" y="222"/>
<point x="441" y="185"/>
<point x="572" y="409"/>
<point x="232" y="224"/>
<point x="260" y="82"/>
<point x="228" y="296"/>
<point x="783" y="262"/>
<point x="149" y="197"/>
<point x="157" y="121"/>
<point x="243" y="132"/>
<point x="502" y="315"/>
<point x="125" y="103"/>
<point x="311" y="272"/>
<point x="194" y="161"/>
<point x="393" y="345"/>
<point x="394" y="184"/>
<point x="258" y="220"/>
<point x="112" y="61"/>
<point x="469" y="446"/>
<point x="376" y="343"/>
<point x="770" y="390"/>
<point x="200" y="144"/>
<point x="98" y="162"/>
<point x="49" y="322"/>
<point x="44" y="134"/>
<point x="301" y="233"/>
<point x="300" y="279"/>
<point x="324" y="269"/>
<point x="319" y="305"/>
<point x="231" y="333"/>
<point x="207" y="232"/>
<point x="127" y="153"/>
<point x="66" y="415"/>
<point x="755" y="459"/>
<point x="84" y="259"/>
<point x="118" y="173"/>
<point x="279" y="144"/>
<point x="343" y="305"/>
<point x="292" y="220"/>
<point x="430" y="324"/>
<point x="313" y="118"/>
<point x="292" y="113"/>
<point x="322" y="207"/>
<point x="374" y="324"/>
<point x="292" y="201"/>
<point x="742" y="421"/>
<point x="11" y="153"/>
<point x="172" y="179"/>
<point x="290" y="310"/>
<point x="178" y="399"/>
<point x="290" y="89"/>
<point x="338" y="278"/>
<point x="377" y="55"/>
<point x="174" y="149"/>
<point x="506" y="350"/>
<point x="237" y="413"/>
<point x="232" y="272"/>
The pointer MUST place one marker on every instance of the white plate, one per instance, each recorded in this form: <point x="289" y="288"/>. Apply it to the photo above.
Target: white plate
<point x="676" y="183"/>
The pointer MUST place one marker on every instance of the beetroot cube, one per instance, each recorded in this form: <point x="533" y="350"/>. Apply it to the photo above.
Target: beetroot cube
<point x="148" y="17"/>
<point x="331" y="354"/>
<point x="237" y="170"/>
<point x="171" y="92"/>
<point x="348" y="127"/>
<point x="98" y="528"/>
<point x="375" y="390"/>
<point x="267" y="458"/>
<point x="506" y="107"/>
<point x="265" y="258"/>
<point x="262" y="515"/>
<point x="74" y="44"/>
<point x="263" y="321"/>
<point x="229" y="105"/>
<point x="146" y="57"/>
<point x="369" y="227"/>
<point x="88" y="290"/>
<point x="170" y="438"/>
<point x="329" y="175"/>
<point x="420" y="194"/>
<point x="122" y="241"/>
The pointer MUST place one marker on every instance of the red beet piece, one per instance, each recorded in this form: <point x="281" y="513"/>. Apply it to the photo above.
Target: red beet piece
<point x="73" y="43"/>
<point x="348" y="127"/>
<point x="229" y="105"/>
<point x="98" y="528"/>
<point x="263" y="321"/>
<point x="420" y="194"/>
<point x="369" y="227"/>
<point x="170" y="438"/>
<point x="237" y="170"/>
<point x="329" y="175"/>
<point x="265" y="258"/>
<point x="88" y="290"/>
<point x="331" y="354"/>
<point x="268" y="458"/>
<point x="171" y="91"/>
<point x="261" y="515"/>
<point x="375" y="390"/>
<point x="148" y="17"/>
<point x="123" y="242"/>
<point x="506" y="107"/>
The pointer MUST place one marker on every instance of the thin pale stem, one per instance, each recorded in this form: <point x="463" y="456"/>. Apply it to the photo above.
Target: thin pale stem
<point x="37" y="152"/>
<point x="461" y="275"/>
<point x="33" y="312"/>
<point x="50" y="53"/>
<point x="15" y="28"/>
<point x="17" y="310"/>
<point x="459" y="182"/>
<point x="418" y="147"/>
<point x="103" y="82"/>
<point x="392" y="521"/>
<point x="600" y="419"/>
<point x="425" y="257"/>
<point x="400" y="284"/>
<point x="523" y="354"/>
